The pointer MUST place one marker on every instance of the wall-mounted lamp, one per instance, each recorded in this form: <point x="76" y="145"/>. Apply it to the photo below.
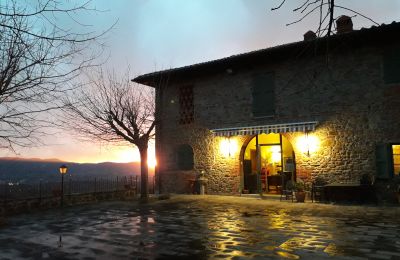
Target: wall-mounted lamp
<point x="308" y="144"/>
<point x="228" y="147"/>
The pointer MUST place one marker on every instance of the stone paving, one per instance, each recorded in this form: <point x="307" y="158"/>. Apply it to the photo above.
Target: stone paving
<point x="208" y="227"/>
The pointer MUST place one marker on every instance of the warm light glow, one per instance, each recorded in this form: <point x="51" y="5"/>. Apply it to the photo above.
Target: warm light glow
<point x="228" y="147"/>
<point x="308" y="144"/>
<point x="152" y="162"/>
<point x="276" y="154"/>
<point x="63" y="169"/>
<point x="128" y="154"/>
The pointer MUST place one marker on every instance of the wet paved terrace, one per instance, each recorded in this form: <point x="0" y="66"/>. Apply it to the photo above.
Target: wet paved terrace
<point x="209" y="227"/>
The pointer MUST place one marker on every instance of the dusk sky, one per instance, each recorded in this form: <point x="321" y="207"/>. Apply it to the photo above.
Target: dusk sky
<point x="160" y="34"/>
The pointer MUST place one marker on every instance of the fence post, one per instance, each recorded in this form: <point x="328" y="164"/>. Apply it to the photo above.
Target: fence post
<point x="136" y="184"/>
<point x="40" y="192"/>
<point x="95" y="182"/>
<point x="70" y="185"/>
<point x="116" y="187"/>
<point x="5" y="191"/>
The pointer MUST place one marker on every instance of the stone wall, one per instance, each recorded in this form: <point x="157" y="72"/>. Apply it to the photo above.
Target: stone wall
<point x="355" y="109"/>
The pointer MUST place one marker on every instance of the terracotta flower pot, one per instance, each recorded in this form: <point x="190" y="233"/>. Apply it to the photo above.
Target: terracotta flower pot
<point x="300" y="196"/>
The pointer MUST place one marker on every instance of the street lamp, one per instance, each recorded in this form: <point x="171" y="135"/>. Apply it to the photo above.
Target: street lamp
<point x="63" y="170"/>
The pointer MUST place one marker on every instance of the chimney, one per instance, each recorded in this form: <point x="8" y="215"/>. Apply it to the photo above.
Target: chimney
<point x="310" y="35"/>
<point x="344" y="24"/>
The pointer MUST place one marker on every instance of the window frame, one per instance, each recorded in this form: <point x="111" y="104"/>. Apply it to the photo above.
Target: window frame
<point x="392" y="159"/>
<point x="256" y="91"/>
<point x="186" y="104"/>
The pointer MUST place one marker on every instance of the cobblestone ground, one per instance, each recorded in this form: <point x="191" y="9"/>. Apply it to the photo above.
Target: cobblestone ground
<point x="210" y="227"/>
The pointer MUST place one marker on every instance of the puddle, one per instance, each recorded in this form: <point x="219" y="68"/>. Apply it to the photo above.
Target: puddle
<point x="195" y="230"/>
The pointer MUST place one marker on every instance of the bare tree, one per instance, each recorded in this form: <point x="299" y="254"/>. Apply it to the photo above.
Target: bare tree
<point x="111" y="110"/>
<point x="38" y="59"/>
<point x="326" y="12"/>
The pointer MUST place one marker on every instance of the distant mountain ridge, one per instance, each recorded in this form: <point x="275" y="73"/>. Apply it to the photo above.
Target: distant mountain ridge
<point x="30" y="159"/>
<point x="31" y="170"/>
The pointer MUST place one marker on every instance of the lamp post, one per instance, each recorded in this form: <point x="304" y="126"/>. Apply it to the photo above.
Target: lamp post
<point x="63" y="170"/>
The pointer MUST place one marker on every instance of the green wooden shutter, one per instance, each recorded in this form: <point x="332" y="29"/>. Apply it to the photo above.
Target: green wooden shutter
<point x="384" y="161"/>
<point x="263" y="91"/>
<point x="185" y="157"/>
<point x="391" y="65"/>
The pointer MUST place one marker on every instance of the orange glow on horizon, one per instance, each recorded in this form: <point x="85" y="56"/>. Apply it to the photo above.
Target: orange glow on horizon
<point x="118" y="155"/>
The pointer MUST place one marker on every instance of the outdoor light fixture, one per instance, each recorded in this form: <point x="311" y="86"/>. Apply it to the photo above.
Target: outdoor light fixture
<point x="228" y="147"/>
<point x="63" y="170"/>
<point x="308" y="144"/>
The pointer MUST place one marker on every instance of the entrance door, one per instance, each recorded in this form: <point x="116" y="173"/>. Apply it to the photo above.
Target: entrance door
<point x="268" y="159"/>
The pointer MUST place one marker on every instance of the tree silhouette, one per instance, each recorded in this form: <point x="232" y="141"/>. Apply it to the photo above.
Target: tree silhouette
<point x="113" y="110"/>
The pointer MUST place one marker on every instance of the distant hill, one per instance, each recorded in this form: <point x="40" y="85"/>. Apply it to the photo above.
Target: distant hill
<point x="33" y="170"/>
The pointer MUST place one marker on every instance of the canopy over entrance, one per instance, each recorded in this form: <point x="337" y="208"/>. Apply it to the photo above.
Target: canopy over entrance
<point x="266" y="129"/>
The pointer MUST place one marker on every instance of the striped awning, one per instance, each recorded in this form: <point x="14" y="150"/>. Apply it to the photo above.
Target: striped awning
<point x="266" y="129"/>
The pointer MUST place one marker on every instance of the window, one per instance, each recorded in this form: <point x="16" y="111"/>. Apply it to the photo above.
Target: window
<point x="185" y="157"/>
<point x="396" y="158"/>
<point x="263" y="91"/>
<point x="385" y="155"/>
<point x="391" y="65"/>
<point x="186" y="108"/>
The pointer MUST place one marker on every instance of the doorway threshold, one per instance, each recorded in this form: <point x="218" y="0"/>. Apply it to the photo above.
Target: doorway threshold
<point x="251" y="195"/>
<point x="268" y="196"/>
<point x="264" y="196"/>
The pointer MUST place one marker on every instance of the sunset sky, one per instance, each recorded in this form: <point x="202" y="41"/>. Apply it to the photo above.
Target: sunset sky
<point x="160" y="34"/>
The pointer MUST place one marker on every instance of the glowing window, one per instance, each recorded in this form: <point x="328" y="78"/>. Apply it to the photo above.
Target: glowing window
<point x="396" y="158"/>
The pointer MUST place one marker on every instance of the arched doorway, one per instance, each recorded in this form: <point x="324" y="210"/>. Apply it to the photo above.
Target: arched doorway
<point x="268" y="161"/>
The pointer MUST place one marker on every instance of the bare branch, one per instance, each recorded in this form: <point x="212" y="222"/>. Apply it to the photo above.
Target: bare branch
<point x="360" y="14"/>
<point x="307" y="14"/>
<point x="279" y="6"/>
<point x="325" y="25"/>
<point x="37" y="67"/>
<point x="331" y="10"/>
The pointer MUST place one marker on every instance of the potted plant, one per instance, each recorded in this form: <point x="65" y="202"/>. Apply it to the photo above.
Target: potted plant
<point x="300" y="191"/>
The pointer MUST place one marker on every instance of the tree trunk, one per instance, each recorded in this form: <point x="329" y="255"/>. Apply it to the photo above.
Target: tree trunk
<point x="144" y="173"/>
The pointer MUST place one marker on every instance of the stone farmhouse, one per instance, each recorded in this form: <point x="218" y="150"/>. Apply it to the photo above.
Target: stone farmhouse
<point x="326" y="108"/>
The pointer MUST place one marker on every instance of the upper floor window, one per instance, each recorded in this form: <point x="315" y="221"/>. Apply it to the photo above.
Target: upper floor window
<point x="263" y="91"/>
<point x="186" y="108"/>
<point x="391" y="65"/>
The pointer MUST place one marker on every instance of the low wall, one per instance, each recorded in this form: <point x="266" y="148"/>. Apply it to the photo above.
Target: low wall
<point x="13" y="207"/>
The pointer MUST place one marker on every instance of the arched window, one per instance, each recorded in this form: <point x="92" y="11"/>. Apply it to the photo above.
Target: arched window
<point x="185" y="157"/>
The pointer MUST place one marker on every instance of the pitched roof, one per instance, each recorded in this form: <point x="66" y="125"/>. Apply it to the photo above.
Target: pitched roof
<point x="366" y="36"/>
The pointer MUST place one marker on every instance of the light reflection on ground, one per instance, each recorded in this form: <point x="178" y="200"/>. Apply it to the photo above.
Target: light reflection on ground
<point x="205" y="228"/>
